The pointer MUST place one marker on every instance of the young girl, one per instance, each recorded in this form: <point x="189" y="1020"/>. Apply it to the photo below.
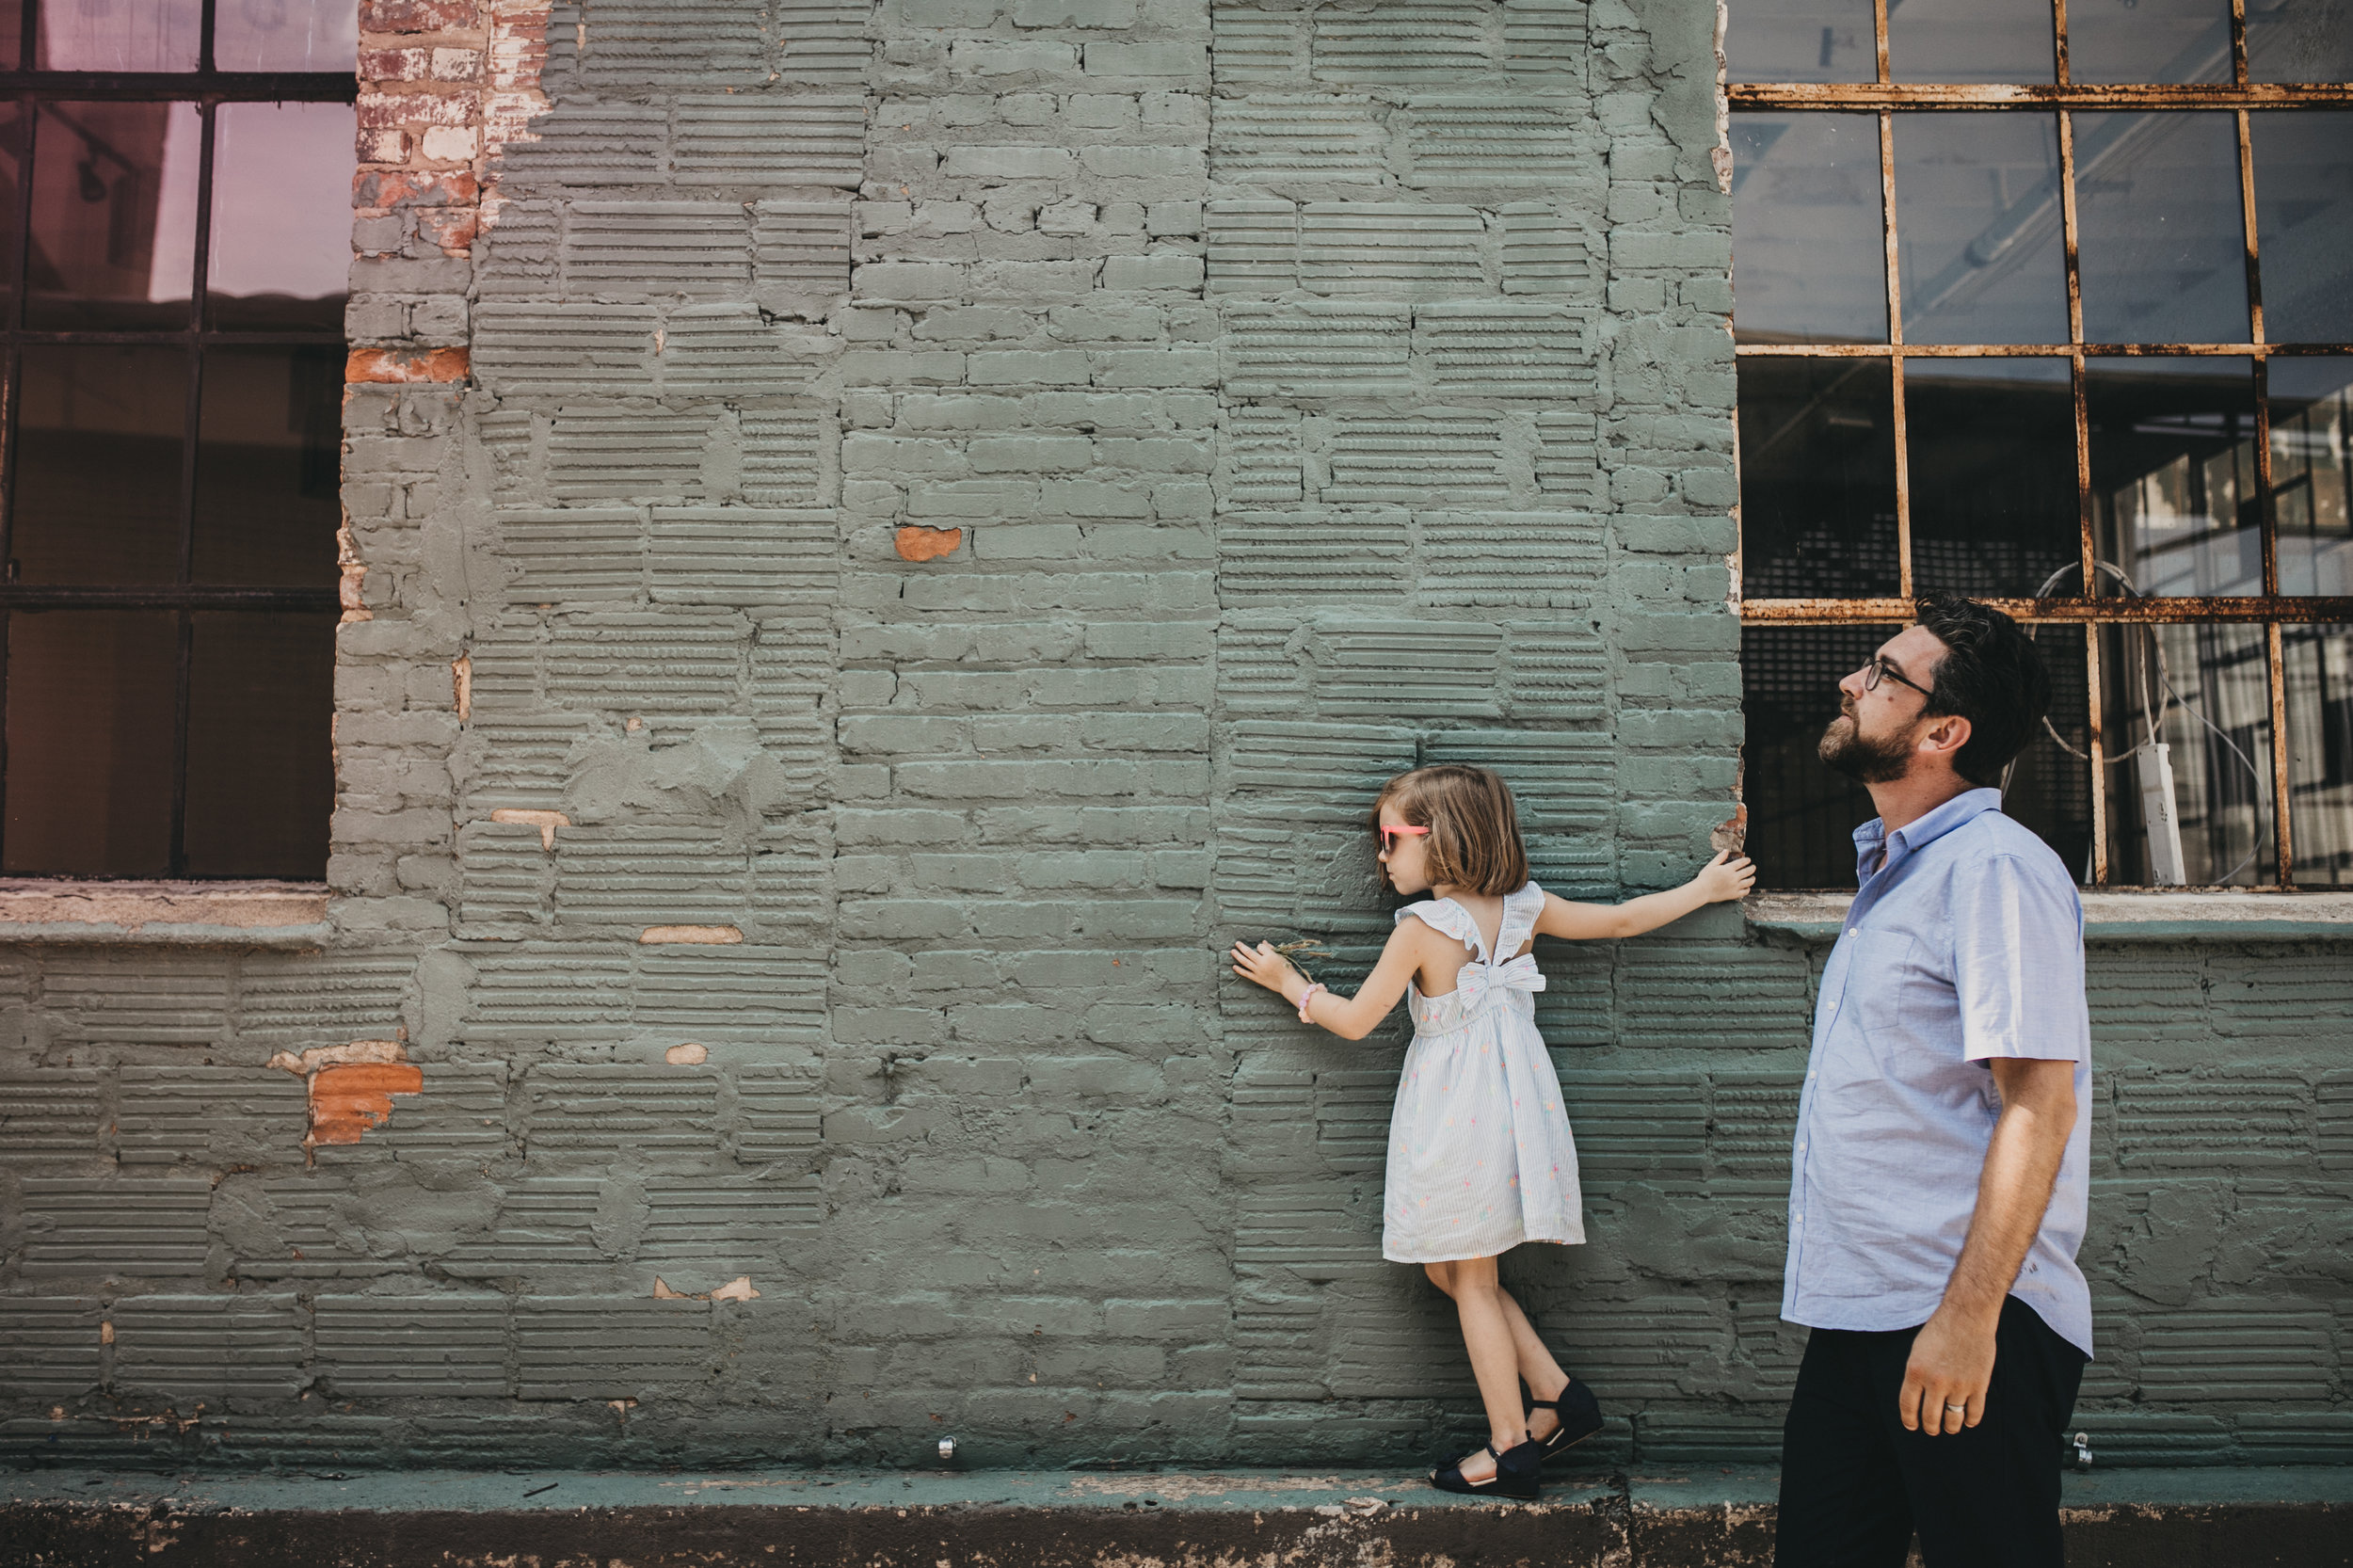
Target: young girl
<point x="1480" y="1154"/>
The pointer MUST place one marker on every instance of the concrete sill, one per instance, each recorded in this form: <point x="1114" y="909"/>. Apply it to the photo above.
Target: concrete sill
<point x="276" y="915"/>
<point x="2220" y="915"/>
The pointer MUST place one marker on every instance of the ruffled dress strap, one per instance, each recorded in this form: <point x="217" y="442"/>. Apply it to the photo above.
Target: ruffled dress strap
<point x="1521" y="911"/>
<point x="1448" y="918"/>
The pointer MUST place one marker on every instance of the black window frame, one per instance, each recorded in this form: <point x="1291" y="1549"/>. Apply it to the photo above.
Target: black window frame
<point x="208" y="87"/>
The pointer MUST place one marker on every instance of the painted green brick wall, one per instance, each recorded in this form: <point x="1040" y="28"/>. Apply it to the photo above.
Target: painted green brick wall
<point x="1321" y="387"/>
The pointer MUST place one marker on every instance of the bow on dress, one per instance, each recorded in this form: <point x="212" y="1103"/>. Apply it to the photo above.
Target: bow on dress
<point x="1478" y="984"/>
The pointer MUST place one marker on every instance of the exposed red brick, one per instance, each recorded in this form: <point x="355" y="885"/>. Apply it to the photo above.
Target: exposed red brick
<point x="418" y="16"/>
<point x="416" y="110"/>
<point x="451" y="228"/>
<point x="347" y="1101"/>
<point x="406" y="364"/>
<point x="385" y="189"/>
<point x="928" y="544"/>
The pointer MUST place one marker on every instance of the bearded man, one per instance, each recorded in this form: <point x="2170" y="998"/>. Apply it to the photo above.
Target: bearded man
<point x="1941" y="1167"/>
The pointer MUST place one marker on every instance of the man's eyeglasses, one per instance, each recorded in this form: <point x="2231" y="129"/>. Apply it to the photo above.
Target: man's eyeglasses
<point x="1879" y="669"/>
<point x="1389" y="836"/>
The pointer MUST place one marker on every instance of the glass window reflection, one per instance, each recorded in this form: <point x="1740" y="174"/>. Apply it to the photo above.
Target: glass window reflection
<point x="119" y="35"/>
<point x="1991" y="445"/>
<point x="2161" y="239"/>
<point x="2298" y="41"/>
<point x="98" y="465"/>
<point x="285" y="35"/>
<point x="1809" y="250"/>
<point x="1970" y="41"/>
<point x="1817" y="479"/>
<point x="2204" y="693"/>
<point x="281" y="216"/>
<point x="2173" y="474"/>
<point x="269" y="446"/>
<point x="2149" y="40"/>
<point x="1981" y="247"/>
<point x="2319" y="663"/>
<point x="2304" y="222"/>
<point x="91" y="700"/>
<point x="1801" y="40"/>
<point x="113" y="216"/>
<point x="2311" y="472"/>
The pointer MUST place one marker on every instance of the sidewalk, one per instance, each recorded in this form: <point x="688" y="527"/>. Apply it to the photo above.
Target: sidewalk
<point x="1718" y="1517"/>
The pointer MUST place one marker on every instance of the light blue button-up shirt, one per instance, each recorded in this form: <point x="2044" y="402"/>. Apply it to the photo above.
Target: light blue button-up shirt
<point x="1966" y="942"/>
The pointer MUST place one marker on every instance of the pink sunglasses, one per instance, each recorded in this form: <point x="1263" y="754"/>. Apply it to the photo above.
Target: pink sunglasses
<point x="1390" y="835"/>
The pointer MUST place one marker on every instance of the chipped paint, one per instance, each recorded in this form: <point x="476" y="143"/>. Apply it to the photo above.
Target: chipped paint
<point x="702" y="935"/>
<point x="546" y="821"/>
<point x="918" y="543"/>
<point x="347" y="1101"/>
<point x="339" y="1056"/>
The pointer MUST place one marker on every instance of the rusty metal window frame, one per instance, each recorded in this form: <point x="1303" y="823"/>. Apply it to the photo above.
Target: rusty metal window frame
<point x="1886" y="98"/>
<point x="207" y="88"/>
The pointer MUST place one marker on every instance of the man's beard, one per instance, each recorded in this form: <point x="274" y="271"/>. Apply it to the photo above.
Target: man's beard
<point x="1866" y="761"/>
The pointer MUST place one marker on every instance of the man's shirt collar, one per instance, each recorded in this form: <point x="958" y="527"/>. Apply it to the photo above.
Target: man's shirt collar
<point x="1876" y="849"/>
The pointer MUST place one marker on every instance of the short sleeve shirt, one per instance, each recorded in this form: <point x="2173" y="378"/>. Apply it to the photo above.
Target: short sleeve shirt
<point x="1964" y="943"/>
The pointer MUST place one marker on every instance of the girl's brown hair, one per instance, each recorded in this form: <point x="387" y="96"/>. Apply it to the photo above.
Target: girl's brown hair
<point x="1474" y="827"/>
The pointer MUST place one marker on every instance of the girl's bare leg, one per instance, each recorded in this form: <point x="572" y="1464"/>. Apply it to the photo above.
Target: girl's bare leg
<point x="1494" y="1354"/>
<point x="1542" y="1374"/>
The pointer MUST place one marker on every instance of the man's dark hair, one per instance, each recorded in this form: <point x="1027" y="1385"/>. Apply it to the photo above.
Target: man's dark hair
<point x="1992" y="675"/>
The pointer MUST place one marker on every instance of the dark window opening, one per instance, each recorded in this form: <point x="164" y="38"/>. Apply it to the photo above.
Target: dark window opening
<point x="175" y="211"/>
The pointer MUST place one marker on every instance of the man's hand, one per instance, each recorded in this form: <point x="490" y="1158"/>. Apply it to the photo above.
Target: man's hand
<point x="1951" y="1364"/>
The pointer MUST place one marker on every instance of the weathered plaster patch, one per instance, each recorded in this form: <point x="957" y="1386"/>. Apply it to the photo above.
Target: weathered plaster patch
<point x="347" y="1101"/>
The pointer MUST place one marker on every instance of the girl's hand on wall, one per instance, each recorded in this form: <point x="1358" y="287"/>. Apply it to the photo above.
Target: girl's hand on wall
<point x="1263" y="966"/>
<point x="1725" y="877"/>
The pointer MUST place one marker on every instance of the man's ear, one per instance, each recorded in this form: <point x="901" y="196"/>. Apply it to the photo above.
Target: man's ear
<point x="1942" y="736"/>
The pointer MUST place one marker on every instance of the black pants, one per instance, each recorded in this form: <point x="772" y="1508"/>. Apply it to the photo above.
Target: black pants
<point x="1856" y="1484"/>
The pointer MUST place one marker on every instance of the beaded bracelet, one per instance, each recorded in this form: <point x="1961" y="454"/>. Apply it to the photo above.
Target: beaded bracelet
<point x="1304" y="997"/>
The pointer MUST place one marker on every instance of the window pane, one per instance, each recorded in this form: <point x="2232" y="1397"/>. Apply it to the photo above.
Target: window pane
<point x="286" y="35"/>
<point x="2304" y="223"/>
<point x="1802" y="815"/>
<point x="2149" y="40"/>
<point x="98" y="465"/>
<point x="2319" y="662"/>
<point x="281" y="214"/>
<point x="260" y="774"/>
<point x="91" y="702"/>
<point x="1809" y="256"/>
<point x="268" y="445"/>
<point x="2049" y="791"/>
<point x="2298" y="41"/>
<point x="2312" y="474"/>
<point x="1817" y="479"/>
<point x="1992" y="473"/>
<point x="1970" y="41"/>
<point x="119" y="35"/>
<point x="12" y="33"/>
<point x="1801" y="40"/>
<point x="2161" y="239"/>
<point x="1981" y="250"/>
<point x="2173" y="474"/>
<point x="2211" y="686"/>
<point x="114" y="216"/>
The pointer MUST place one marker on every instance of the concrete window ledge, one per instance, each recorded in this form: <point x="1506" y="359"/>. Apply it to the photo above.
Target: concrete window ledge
<point x="1703" y="1516"/>
<point x="164" y="913"/>
<point x="2115" y="916"/>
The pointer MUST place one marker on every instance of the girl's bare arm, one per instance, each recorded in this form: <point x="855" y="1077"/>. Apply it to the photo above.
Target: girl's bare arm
<point x="1721" y="878"/>
<point x="1349" y="1017"/>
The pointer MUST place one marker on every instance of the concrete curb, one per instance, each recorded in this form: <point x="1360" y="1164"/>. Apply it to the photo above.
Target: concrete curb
<point x="2273" y="1518"/>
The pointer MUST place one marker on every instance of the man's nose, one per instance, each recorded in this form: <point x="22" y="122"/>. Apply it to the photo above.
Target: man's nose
<point x="1852" y="684"/>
